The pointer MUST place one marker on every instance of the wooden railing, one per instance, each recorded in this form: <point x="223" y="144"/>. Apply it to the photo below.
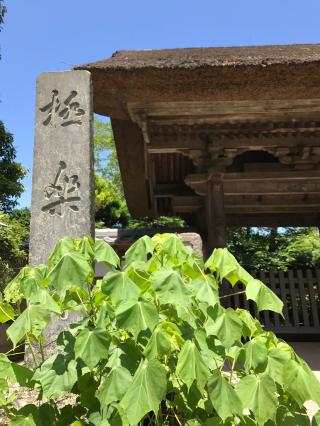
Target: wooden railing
<point x="300" y="292"/>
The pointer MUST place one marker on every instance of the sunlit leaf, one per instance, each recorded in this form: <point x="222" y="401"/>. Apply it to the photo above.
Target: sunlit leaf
<point x="258" y="394"/>
<point x="119" y="287"/>
<point x="170" y="288"/>
<point x="92" y="346"/>
<point x="103" y="252"/>
<point x="223" y="396"/>
<point x="72" y="270"/>
<point x="32" y="320"/>
<point x="114" y="385"/>
<point x="225" y="324"/>
<point x="191" y="366"/>
<point x="146" y="391"/>
<point x="56" y="375"/>
<point x="263" y="296"/>
<point x="137" y="316"/>
<point x="140" y="250"/>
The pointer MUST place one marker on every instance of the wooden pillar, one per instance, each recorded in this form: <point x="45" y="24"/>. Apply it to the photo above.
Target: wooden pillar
<point x="216" y="222"/>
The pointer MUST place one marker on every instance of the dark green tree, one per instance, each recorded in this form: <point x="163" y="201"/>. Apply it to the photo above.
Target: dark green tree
<point x="11" y="172"/>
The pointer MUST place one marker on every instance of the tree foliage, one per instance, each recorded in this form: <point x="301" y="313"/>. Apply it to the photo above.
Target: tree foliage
<point x="11" y="172"/>
<point x="273" y="249"/>
<point x="154" y="344"/>
<point x="13" y="252"/>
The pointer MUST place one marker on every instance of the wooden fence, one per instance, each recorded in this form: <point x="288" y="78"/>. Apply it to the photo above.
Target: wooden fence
<point x="300" y="292"/>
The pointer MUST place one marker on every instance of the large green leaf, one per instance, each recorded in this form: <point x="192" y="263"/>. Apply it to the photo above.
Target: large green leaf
<point x="146" y="391"/>
<point x="92" y="346"/>
<point x="159" y="344"/>
<point x="15" y="373"/>
<point x="6" y="312"/>
<point x="32" y="320"/>
<point x="169" y="288"/>
<point x="277" y="359"/>
<point x="225" y="265"/>
<point x="225" y="324"/>
<point x="119" y="287"/>
<point x="71" y="271"/>
<point x="301" y="382"/>
<point x="191" y="366"/>
<point x="114" y="386"/>
<point x="263" y="296"/>
<point x="56" y="375"/>
<point x="173" y="248"/>
<point x="140" y="250"/>
<point x="256" y="352"/>
<point x="223" y="396"/>
<point x="64" y="246"/>
<point x="258" y="394"/>
<point x="137" y="316"/>
<point x="204" y="291"/>
<point x="105" y="253"/>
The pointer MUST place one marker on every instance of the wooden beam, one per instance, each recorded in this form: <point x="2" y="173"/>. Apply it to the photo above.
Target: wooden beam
<point x="273" y="220"/>
<point x="216" y="221"/>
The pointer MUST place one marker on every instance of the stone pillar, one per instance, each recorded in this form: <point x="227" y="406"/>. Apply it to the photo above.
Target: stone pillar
<point x="62" y="183"/>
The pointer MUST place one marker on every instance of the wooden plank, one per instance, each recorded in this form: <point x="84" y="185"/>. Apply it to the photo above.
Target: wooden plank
<point x="294" y="302"/>
<point x="301" y="287"/>
<point x="284" y="208"/>
<point x="283" y="292"/>
<point x="313" y="302"/>
<point x="274" y="288"/>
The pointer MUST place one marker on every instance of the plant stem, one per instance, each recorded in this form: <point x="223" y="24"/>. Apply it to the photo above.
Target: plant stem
<point x="232" y="294"/>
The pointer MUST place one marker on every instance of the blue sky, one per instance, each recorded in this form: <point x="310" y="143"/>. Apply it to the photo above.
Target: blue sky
<point x="54" y="35"/>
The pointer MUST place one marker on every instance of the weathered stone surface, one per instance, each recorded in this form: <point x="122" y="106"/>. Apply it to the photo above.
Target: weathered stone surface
<point x="62" y="183"/>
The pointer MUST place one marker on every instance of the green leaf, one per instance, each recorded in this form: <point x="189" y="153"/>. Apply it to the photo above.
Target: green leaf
<point x="6" y="312"/>
<point x="250" y="325"/>
<point x="15" y="373"/>
<point x="137" y="316"/>
<point x="258" y="394"/>
<point x="105" y="253"/>
<point x="263" y="296"/>
<point x="301" y="382"/>
<point x="86" y="247"/>
<point x="64" y="246"/>
<point x="139" y="250"/>
<point x="226" y="266"/>
<point x="92" y="346"/>
<point x="114" y="386"/>
<point x="172" y="247"/>
<point x="170" y="288"/>
<point x="146" y="391"/>
<point x="23" y="421"/>
<point x="223" y="396"/>
<point x="277" y="359"/>
<point x="158" y="345"/>
<point x="56" y="375"/>
<point x="72" y="270"/>
<point x="204" y="291"/>
<point x="256" y="352"/>
<point x="191" y="366"/>
<point x="225" y="324"/>
<point x="32" y="320"/>
<point x="119" y="287"/>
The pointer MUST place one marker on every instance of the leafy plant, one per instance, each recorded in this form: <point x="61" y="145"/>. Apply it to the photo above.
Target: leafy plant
<point x="154" y="344"/>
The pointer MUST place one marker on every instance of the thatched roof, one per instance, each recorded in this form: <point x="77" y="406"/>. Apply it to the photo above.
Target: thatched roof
<point x="211" y="56"/>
